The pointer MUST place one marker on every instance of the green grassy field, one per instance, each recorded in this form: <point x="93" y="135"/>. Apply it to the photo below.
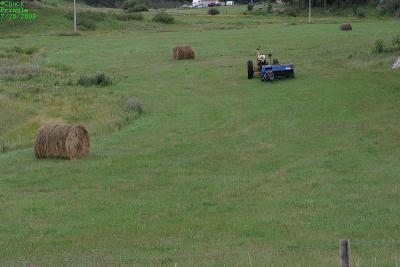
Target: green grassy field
<point x="219" y="170"/>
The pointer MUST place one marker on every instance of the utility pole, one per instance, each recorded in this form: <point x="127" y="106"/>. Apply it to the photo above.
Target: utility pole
<point x="309" y="10"/>
<point x="74" y="15"/>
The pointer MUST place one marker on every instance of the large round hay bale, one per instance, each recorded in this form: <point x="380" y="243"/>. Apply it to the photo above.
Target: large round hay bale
<point x="183" y="52"/>
<point x="61" y="141"/>
<point x="345" y="27"/>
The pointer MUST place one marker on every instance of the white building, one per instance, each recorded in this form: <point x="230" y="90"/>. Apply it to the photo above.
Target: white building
<point x="197" y="3"/>
<point x="203" y="3"/>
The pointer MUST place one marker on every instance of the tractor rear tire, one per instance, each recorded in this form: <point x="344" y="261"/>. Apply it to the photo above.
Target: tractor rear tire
<point x="291" y="75"/>
<point x="250" y="70"/>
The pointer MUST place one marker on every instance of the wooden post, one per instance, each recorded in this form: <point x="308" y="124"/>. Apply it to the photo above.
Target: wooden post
<point x="344" y="253"/>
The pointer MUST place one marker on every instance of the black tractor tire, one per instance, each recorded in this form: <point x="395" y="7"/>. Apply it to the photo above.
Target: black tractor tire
<point x="291" y="75"/>
<point x="250" y="70"/>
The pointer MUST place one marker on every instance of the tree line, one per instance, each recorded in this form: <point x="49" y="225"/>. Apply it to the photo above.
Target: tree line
<point x="388" y="6"/>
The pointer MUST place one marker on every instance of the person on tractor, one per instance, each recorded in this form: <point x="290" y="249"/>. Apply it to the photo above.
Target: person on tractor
<point x="261" y="59"/>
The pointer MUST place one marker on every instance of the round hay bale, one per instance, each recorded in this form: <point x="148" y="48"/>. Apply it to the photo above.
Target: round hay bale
<point x="61" y="141"/>
<point x="183" y="52"/>
<point x="345" y="27"/>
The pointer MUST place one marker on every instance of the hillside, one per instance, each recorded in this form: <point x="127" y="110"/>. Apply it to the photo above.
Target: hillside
<point x="218" y="170"/>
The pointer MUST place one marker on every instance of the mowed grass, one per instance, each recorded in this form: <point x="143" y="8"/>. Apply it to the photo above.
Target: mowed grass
<point x="219" y="170"/>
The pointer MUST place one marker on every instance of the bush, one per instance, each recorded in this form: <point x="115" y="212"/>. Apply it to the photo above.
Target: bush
<point x="389" y="7"/>
<point x="129" y="4"/>
<point x="102" y="3"/>
<point x="21" y="50"/>
<point x="23" y="70"/>
<point x="134" y="6"/>
<point x="126" y="16"/>
<point x="3" y="146"/>
<point x="250" y="7"/>
<point x="292" y="13"/>
<point x="213" y="11"/>
<point x="86" y="24"/>
<point x="396" y="42"/>
<point x="69" y="34"/>
<point x="99" y="78"/>
<point x="87" y="15"/>
<point x="269" y="7"/>
<point x="379" y="47"/>
<point x="133" y="104"/>
<point x="137" y="9"/>
<point x="164" y="17"/>
<point x="70" y="15"/>
<point x="58" y="67"/>
<point x="361" y="14"/>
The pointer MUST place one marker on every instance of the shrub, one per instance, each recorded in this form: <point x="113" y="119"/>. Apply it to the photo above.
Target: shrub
<point x="129" y="4"/>
<point x="126" y="16"/>
<point x="396" y="42"/>
<point x="3" y="146"/>
<point x="269" y="7"/>
<point x="138" y="8"/>
<point x="292" y="13"/>
<point x="30" y="50"/>
<point x="381" y="13"/>
<point x="379" y="47"/>
<point x="61" y="67"/>
<point x="118" y="4"/>
<point x="213" y="11"/>
<point x="86" y="20"/>
<point x="27" y="70"/>
<point x="99" y="78"/>
<point x="361" y="13"/>
<point x="355" y="9"/>
<point x="133" y="104"/>
<point x="134" y="6"/>
<point x="164" y="17"/>
<point x="87" y="15"/>
<point x="69" y="34"/>
<point x="389" y="7"/>
<point x="21" y="50"/>
<point x="70" y="15"/>
<point x="86" y="24"/>
<point x="102" y="3"/>
<point x="250" y="7"/>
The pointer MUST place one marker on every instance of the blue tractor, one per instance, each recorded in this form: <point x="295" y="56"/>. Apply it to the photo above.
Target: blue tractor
<point x="269" y="71"/>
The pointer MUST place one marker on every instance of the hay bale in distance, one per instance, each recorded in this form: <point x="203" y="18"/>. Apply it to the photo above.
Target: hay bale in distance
<point x="346" y="27"/>
<point x="183" y="52"/>
<point x="61" y="141"/>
